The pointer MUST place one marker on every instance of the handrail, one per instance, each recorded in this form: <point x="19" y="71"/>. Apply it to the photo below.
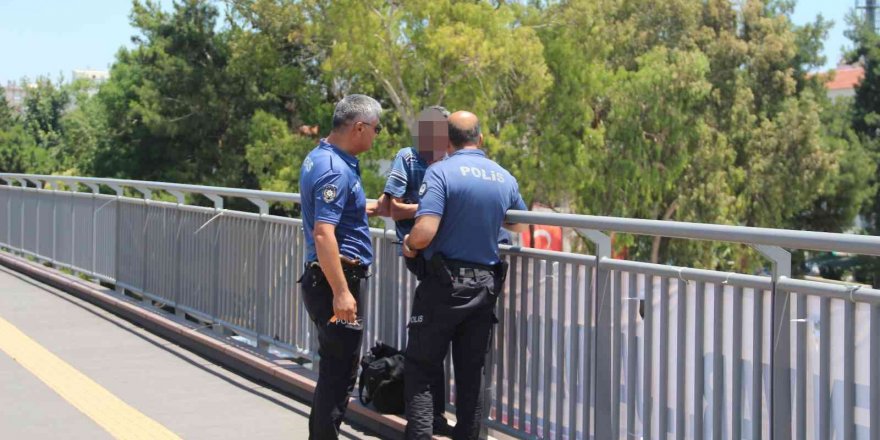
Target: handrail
<point x="193" y="189"/>
<point x="787" y="238"/>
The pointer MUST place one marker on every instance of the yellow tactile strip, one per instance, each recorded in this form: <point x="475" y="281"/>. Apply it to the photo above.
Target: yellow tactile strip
<point x="117" y="417"/>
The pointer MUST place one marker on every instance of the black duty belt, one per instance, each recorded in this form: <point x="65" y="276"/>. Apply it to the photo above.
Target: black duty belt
<point x="351" y="267"/>
<point x="466" y="269"/>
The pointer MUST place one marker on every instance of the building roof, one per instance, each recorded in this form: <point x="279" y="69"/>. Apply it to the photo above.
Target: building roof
<point x="845" y="78"/>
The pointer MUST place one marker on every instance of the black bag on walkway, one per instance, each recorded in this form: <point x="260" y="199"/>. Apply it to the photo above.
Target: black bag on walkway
<point x="382" y="377"/>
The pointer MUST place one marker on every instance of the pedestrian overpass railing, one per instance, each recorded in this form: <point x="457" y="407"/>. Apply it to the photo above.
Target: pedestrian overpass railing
<point x="586" y="346"/>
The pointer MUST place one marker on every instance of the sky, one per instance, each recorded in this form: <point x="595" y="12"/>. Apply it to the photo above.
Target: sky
<point x="54" y="37"/>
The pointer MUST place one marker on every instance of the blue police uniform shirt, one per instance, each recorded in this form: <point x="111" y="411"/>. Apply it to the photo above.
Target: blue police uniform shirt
<point x="330" y="185"/>
<point x="471" y="194"/>
<point x="404" y="179"/>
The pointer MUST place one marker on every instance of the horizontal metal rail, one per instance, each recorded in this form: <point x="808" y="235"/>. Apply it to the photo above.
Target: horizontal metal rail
<point x="786" y="238"/>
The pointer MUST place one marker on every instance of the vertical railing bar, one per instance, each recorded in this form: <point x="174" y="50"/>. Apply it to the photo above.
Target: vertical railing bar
<point x="718" y="362"/>
<point x="547" y="364"/>
<point x="801" y="379"/>
<point x="699" y="305"/>
<point x="523" y="337"/>
<point x="824" y="369"/>
<point x="178" y="260"/>
<point x="263" y="273"/>
<point x="94" y="231"/>
<point x="72" y="227"/>
<point x="849" y="364"/>
<point x="214" y="290"/>
<point x="632" y="370"/>
<point x="874" y="368"/>
<point x="758" y="365"/>
<point x="21" y="244"/>
<point x="736" y="366"/>
<point x="587" y="354"/>
<point x="560" y="269"/>
<point x="663" y="357"/>
<point x="647" y="356"/>
<point x="574" y="361"/>
<point x="681" y="356"/>
<point x="616" y="322"/>
<point x="514" y="345"/>
<point x="39" y="196"/>
<point x="534" y="356"/>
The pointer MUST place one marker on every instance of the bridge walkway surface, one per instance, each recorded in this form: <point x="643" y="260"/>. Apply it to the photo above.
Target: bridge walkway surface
<point x="69" y="369"/>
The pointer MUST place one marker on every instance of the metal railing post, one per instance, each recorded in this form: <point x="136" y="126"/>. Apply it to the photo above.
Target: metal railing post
<point x="54" y="188"/>
<point x="73" y="189"/>
<point x="95" y="192"/>
<point x="37" y="221"/>
<point x="116" y="255"/>
<point x="263" y="274"/>
<point x="604" y="385"/>
<point x="148" y="196"/>
<point x="21" y="210"/>
<point x="780" y="348"/>
<point x="177" y="257"/>
<point x="215" y="263"/>
<point x="9" y="214"/>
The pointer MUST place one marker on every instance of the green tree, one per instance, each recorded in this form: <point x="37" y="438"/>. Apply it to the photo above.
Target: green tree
<point x="865" y="114"/>
<point x="44" y="106"/>
<point x="175" y="112"/>
<point x="18" y="151"/>
<point x="459" y="54"/>
<point x="274" y="155"/>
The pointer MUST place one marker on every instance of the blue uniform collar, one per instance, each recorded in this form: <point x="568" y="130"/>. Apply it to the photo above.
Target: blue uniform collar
<point x="469" y="152"/>
<point x="352" y="161"/>
<point x="415" y="153"/>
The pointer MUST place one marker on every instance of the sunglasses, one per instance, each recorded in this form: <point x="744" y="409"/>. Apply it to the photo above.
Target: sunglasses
<point x="377" y="128"/>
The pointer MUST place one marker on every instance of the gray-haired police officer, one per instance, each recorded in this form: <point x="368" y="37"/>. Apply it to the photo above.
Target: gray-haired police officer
<point x="339" y="252"/>
<point x="463" y="203"/>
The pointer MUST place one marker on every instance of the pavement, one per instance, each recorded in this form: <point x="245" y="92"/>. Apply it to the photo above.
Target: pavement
<point x="71" y="370"/>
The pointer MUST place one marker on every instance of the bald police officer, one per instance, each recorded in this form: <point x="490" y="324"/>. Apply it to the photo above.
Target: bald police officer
<point x="463" y="203"/>
<point x="338" y="254"/>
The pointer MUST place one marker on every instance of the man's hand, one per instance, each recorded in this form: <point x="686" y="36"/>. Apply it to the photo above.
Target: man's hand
<point x="345" y="307"/>
<point x="407" y="252"/>
<point x="381" y="207"/>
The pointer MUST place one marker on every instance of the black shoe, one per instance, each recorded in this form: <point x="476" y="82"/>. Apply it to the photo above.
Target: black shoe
<point x="442" y="428"/>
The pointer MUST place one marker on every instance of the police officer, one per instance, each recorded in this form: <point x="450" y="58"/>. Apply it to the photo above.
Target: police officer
<point x="402" y="192"/>
<point x="338" y="254"/>
<point x="463" y="203"/>
<point x="409" y="166"/>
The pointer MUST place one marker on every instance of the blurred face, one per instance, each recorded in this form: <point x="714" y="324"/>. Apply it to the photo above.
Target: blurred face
<point x="432" y="136"/>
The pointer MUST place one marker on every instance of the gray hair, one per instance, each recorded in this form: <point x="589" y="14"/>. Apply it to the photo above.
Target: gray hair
<point x="355" y="108"/>
<point x="440" y="109"/>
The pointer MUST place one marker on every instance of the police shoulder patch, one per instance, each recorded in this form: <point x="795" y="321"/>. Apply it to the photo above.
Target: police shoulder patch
<point x="423" y="189"/>
<point x="328" y="193"/>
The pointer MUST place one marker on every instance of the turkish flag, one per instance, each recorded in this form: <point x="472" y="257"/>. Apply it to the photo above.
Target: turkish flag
<point x="546" y="237"/>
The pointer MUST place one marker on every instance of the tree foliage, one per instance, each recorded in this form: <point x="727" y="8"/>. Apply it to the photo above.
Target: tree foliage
<point x="661" y="109"/>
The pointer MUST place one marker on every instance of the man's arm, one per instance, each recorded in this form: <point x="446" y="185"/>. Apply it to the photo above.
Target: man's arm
<point x="518" y="204"/>
<point x="381" y="207"/>
<point x="422" y="234"/>
<point x="344" y="305"/>
<point x="401" y="210"/>
<point x="516" y="227"/>
<point x="395" y="186"/>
